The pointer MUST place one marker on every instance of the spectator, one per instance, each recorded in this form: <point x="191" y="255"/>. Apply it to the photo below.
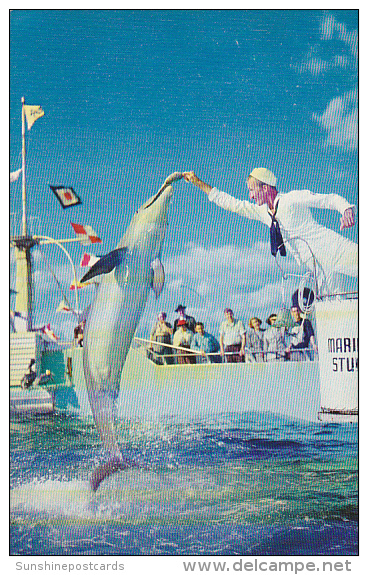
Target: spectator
<point x="161" y="333"/>
<point x="205" y="343"/>
<point x="30" y="375"/>
<point x="274" y="341"/>
<point x="190" y="321"/>
<point x="232" y="338"/>
<point x="254" y="338"/>
<point x="78" y="333"/>
<point x="183" y="338"/>
<point x="302" y="334"/>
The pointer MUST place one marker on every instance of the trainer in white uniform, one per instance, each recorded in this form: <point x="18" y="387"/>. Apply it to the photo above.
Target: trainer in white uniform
<point x="291" y="221"/>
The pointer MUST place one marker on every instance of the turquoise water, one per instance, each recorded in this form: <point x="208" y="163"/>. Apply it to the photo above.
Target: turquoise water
<point x="248" y="484"/>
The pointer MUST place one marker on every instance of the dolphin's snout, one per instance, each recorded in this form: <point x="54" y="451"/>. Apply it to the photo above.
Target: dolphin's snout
<point x="173" y="178"/>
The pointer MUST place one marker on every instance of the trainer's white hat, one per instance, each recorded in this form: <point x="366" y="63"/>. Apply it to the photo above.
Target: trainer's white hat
<point x="264" y="175"/>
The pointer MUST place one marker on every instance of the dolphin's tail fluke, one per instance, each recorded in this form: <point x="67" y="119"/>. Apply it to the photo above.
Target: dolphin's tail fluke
<point x="109" y="468"/>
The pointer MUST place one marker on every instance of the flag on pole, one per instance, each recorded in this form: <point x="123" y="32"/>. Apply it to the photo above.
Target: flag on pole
<point x="32" y="114"/>
<point x="15" y="314"/>
<point x="46" y="330"/>
<point x="12" y="322"/>
<point x="66" y="196"/>
<point x="86" y="235"/>
<point x="18" y="320"/>
<point x="80" y="285"/>
<point x="63" y="307"/>
<point x="15" y="175"/>
<point x="88" y="261"/>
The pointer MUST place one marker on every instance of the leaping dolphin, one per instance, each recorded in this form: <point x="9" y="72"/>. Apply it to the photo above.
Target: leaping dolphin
<point x="128" y="272"/>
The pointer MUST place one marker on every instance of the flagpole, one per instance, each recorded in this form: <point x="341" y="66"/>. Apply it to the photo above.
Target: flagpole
<point x="23" y="245"/>
<point x="62" y="241"/>
<point x="24" y="197"/>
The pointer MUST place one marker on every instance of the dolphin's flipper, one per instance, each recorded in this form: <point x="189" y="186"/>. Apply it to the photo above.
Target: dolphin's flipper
<point x="158" y="277"/>
<point x="105" y="264"/>
<point x="109" y="468"/>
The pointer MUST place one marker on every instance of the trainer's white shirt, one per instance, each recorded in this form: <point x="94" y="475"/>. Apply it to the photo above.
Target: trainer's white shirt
<point x="333" y="253"/>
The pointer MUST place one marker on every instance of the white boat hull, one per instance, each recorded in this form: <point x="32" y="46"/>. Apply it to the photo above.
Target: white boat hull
<point x="33" y="401"/>
<point x="289" y="389"/>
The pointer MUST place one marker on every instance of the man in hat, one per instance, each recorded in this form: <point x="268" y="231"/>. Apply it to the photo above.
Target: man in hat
<point x="190" y="321"/>
<point x="292" y="226"/>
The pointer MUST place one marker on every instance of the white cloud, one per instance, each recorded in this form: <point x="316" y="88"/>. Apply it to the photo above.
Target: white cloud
<point x="317" y="65"/>
<point x="208" y="279"/>
<point x="340" y="61"/>
<point x="313" y="62"/>
<point x="332" y="29"/>
<point x="205" y="279"/>
<point x="340" y="120"/>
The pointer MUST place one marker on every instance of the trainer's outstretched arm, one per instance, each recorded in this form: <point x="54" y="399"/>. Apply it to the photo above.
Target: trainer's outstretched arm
<point x="193" y="179"/>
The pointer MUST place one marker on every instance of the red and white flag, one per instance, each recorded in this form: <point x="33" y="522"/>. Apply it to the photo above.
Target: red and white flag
<point x="86" y="235"/>
<point x="88" y="261"/>
<point x="63" y="307"/>
<point x="66" y="196"/>
<point x="48" y="331"/>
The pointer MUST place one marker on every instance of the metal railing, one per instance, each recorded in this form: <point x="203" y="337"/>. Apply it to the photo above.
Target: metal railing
<point x="341" y="296"/>
<point x="173" y="355"/>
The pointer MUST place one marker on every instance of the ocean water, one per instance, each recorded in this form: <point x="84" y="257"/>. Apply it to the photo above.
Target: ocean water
<point x="251" y="484"/>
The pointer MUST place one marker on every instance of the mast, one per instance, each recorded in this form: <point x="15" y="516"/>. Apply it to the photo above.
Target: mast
<point x="23" y="245"/>
<point x="24" y="196"/>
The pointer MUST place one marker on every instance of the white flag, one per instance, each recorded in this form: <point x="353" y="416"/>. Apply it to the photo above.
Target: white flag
<point x="15" y="175"/>
<point x="32" y="114"/>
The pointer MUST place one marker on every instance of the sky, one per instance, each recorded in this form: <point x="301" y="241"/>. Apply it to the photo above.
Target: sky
<point x="131" y="96"/>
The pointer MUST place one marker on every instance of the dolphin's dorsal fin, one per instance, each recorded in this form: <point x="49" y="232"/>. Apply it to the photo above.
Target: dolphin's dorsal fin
<point x="106" y="264"/>
<point x="158" y="277"/>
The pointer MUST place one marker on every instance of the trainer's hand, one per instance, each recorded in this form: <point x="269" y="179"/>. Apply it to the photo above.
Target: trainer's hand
<point x="193" y="179"/>
<point x="347" y="219"/>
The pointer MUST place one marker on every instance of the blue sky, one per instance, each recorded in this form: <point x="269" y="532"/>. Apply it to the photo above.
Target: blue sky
<point x="131" y="96"/>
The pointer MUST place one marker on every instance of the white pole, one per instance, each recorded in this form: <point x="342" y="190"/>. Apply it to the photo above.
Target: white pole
<point x="61" y="241"/>
<point x="188" y="350"/>
<point x="24" y="197"/>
